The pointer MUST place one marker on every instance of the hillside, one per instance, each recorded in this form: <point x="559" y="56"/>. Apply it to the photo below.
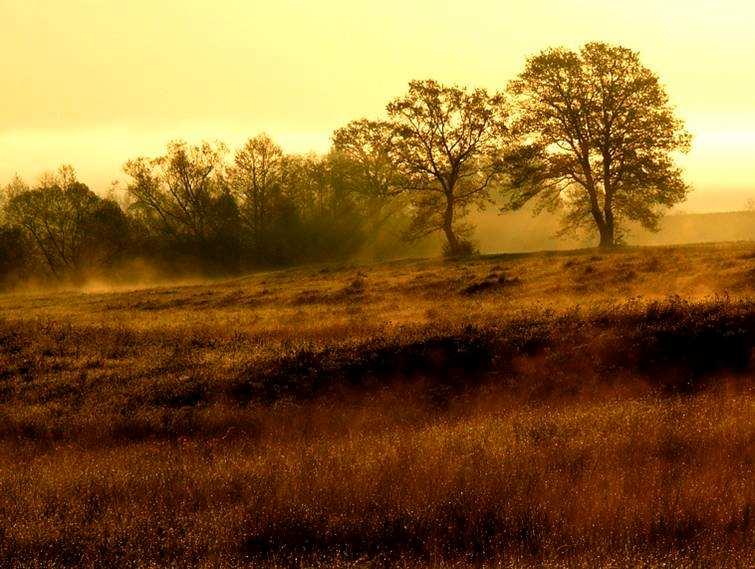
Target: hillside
<point x="549" y="409"/>
<point x="376" y="298"/>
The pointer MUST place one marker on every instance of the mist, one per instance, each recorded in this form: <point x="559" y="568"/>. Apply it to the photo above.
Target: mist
<point x="525" y="230"/>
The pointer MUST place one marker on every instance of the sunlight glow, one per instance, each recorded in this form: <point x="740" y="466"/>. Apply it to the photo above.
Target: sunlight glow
<point x="95" y="83"/>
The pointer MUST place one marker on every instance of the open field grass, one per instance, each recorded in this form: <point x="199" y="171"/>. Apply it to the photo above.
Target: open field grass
<point x="573" y="409"/>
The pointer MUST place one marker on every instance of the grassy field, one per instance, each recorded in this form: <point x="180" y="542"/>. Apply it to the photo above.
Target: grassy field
<point x="571" y="409"/>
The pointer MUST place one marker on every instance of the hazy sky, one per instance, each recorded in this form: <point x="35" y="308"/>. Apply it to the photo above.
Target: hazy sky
<point x="95" y="82"/>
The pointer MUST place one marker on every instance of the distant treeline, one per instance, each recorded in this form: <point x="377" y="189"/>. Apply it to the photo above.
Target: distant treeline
<point x="190" y="212"/>
<point x="589" y="134"/>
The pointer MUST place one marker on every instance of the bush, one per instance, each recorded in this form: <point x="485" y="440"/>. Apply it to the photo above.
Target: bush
<point x="465" y="249"/>
<point x="15" y="257"/>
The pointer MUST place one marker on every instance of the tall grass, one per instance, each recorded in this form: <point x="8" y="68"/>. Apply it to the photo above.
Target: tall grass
<point x="619" y="435"/>
<point x="387" y="478"/>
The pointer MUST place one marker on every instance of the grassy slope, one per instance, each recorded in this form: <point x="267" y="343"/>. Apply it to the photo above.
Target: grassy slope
<point x="432" y="410"/>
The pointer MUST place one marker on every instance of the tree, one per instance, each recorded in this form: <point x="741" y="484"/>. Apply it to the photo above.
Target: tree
<point x="17" y="252"/>
<point x="13" y="188"/>
<point x="183" y="201"/>
<point x="598" y="136"/>
<point x="362" y="155"/>
<point x="255" y="180"/>
<point x="16" y="256"/>
<point x="72" y="228"/>
<point x="329" y="221"/>
<point x="305" y="183"/>
<point x="174" y="192"/>
<point x="447" y="144"/>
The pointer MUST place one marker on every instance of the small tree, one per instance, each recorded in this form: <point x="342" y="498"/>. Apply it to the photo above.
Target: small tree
<point x="447" y="144"/>
<point x="72" y="228"/>
<point x="183" y="201"/>
<point x="599" y="137"/>
<point x="13" y="188"/>
<point x="255" y="180"/>
<point x="362" y="150"/>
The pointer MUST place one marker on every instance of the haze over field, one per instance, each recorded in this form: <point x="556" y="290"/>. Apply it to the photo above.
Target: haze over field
<point x="93" y="83"/>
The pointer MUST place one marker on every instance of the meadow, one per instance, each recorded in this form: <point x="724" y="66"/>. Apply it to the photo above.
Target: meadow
<point x="559" y="409"/>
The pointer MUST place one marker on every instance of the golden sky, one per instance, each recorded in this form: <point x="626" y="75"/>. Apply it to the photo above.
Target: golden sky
<point x="95" y="82"/>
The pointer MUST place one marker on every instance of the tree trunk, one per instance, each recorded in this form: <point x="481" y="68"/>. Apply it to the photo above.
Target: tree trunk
<point x="607" y="239"/>
<point x="454" y="247"/>
<point x="607" y="234"/>
<point x="605" y="225"/>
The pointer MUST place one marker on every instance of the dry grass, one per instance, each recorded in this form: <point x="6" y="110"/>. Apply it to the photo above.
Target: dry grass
<point x="388" y="415"/>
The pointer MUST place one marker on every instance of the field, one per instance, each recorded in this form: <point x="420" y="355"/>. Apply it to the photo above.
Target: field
<point x="570" y="409"/>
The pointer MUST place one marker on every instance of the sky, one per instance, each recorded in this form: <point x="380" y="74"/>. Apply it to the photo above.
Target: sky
<point x="96" y="82"/>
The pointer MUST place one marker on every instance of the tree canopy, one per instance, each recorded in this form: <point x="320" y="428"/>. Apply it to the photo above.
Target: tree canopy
<point x="447" y="143"/>
<point x="598" y="136"/>
<point x="71" y="227"/>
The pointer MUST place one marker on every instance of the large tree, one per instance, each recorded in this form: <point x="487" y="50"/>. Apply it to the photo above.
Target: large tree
<point x="599" y="138"/>
<point x="447" y="144"/>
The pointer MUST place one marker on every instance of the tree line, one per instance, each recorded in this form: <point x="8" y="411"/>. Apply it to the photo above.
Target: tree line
<point x="590" y="133"/>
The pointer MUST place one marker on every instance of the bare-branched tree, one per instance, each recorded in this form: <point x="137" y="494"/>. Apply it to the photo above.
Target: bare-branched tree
<point x="255" y="179"/>
<point x="447" y="143"/>
<point x="174" y="193"/>
<point x="183" y="201"/>
<point x="73" y="229"/>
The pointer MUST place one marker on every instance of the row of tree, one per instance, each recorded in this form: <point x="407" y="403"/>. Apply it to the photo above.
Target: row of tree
<point x="591" y="133"/>
<point x="192" y="211"/>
